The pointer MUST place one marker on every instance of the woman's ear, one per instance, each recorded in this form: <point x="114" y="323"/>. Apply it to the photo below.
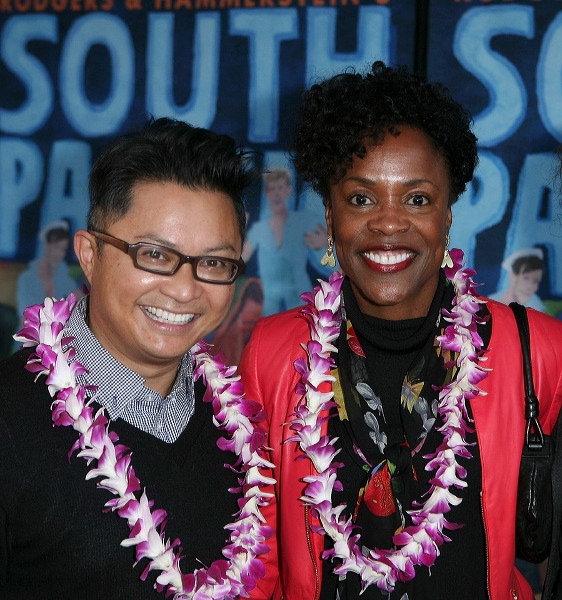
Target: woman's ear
<point x="86" y="250"/>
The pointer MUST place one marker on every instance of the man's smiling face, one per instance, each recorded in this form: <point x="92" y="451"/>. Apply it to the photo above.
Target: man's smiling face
<point x="145" y="320"/>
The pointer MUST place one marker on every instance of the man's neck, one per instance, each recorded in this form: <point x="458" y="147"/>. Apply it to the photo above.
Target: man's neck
<point x="161" y="380"/>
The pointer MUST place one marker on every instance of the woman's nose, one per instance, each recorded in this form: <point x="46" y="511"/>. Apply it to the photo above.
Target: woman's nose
<point x="388" y="218"/>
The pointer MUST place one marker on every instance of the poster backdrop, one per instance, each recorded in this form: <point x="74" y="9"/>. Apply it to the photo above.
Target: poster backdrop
<point x="76" y="73"/>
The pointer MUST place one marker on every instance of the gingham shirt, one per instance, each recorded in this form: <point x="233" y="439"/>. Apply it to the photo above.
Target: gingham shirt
<point x="122" y="392"/>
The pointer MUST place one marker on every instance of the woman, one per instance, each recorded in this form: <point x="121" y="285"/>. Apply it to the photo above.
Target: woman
<point x="395" y="395"/>
<point x="48" y="274"/>
<point x="526" y="268"/>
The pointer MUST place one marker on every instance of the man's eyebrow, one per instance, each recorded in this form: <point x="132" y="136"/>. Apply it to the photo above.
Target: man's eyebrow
<point x="154" y="239"/>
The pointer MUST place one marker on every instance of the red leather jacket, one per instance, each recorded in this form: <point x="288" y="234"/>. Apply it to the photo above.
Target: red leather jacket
<point x="293" y="565"/>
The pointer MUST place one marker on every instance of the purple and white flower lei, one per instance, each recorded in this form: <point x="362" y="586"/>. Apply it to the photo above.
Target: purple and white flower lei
<point x="228" y="578"/>
<point x="419" y="543"/>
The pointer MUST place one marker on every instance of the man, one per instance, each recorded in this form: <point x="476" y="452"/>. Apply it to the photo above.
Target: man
<point x="161" y="253"/>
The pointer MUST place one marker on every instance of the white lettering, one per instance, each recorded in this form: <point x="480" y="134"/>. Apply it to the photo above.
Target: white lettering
<point x="21" y="177"/>
<point x="201" y="108"/>
<point x="266" y="29"/>
<point x="105" y="118"/>
<point x="38" y="105"/>
<point x="373" y="41"/>
<point x="508" y="97"/>
<point x="549" y="79"/>
<point x="482" y="205"/>
<point x="66" y="191"/>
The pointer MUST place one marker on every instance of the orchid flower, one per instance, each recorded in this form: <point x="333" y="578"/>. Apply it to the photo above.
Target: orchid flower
<point x="416" y="544"/>
<point x="239" y="417"/>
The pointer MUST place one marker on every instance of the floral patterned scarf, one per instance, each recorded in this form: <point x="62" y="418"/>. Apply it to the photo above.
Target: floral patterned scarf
<point x="387" y="405"/>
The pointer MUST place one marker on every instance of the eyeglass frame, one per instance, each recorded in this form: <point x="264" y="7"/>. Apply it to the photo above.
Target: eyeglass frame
<point x="132" y="251"/>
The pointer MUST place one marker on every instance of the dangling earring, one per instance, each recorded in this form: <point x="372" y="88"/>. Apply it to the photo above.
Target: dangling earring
<point x="447" y="260"/>
<point x="329" y="258"/>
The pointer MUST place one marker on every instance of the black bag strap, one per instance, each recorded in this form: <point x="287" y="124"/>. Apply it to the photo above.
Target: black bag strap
<point x="552" y="585"/>
<point x="534" y="437"/>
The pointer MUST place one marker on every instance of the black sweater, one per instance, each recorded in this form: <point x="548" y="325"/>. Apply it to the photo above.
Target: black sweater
<point x="55" y="540"/>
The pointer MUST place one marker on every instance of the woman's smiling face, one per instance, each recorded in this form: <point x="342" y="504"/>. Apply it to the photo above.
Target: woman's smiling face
<point x="389" y="217"/>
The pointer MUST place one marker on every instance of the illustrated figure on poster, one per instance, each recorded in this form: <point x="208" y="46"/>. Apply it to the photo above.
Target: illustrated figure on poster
<point x="48" y="274"/>
<point x="525" y="267"/>
<point x="234" y="332"/>
<point x="282" y="241"/>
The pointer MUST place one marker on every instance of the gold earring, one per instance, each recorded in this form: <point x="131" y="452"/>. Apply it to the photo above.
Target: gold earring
<point x="329" y="258"/>
<point x="447" y="260"/>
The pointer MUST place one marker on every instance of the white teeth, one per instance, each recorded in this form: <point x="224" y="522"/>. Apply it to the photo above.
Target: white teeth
<point x="163" y="316"/>
<point x="388" y="258"/>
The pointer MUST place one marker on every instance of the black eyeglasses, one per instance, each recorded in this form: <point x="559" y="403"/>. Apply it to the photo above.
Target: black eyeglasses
<point x="166" y="261"/>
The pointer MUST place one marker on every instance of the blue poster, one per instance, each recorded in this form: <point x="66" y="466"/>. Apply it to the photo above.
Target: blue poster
<point x="76" y="73"/>
<point x="503" y="62"/>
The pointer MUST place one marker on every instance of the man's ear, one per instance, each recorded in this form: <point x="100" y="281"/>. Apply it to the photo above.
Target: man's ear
<point x="86" y="249"/>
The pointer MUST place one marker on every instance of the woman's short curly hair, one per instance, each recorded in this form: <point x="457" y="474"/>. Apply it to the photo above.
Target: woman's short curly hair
<point x="341" y="116"/>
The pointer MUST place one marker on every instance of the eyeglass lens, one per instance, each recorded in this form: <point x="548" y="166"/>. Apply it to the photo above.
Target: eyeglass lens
<point x="160" y="259"/>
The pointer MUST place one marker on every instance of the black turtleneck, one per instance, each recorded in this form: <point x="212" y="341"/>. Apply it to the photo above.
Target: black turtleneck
<point x="390" y="348"/>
